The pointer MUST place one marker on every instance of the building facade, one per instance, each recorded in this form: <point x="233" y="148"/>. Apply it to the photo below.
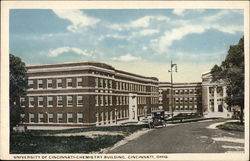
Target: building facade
<point x="86" y="94"/>
<point x="213" y="98"/>
<point x="94" y="94"/>
<point x="181" y="97"/>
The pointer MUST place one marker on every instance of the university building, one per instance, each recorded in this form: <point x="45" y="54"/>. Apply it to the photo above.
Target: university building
<point x="86" y="93"/>
<point x="94" y="94"/>
<point x="185" y="97"/>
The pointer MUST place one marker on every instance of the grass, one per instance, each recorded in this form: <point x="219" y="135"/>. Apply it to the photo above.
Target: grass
<point x="232" y="126"/>
<point x="36" y="141"/>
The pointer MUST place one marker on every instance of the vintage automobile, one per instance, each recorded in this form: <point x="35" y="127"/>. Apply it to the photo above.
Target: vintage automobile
<point x="157" y="119"/>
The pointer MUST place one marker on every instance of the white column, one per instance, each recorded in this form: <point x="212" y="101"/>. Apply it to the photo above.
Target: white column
<point x="111" y="119"/>
<point x="224" y="91"/>
<point x="208" y="100"/>
<point x="215" y="99"/>
<point x="97" y="118"/>
<point x="102" y="115"/>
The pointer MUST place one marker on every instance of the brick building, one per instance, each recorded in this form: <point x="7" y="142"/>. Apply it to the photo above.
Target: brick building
<point x="186" y="98"/>
<point x="85" y="94"/>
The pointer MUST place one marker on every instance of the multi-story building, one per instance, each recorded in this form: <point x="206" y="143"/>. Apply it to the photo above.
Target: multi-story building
<point x="93" y="94"/>
<point x="185" y="97"/>
<point x="213" y="98"/>
<point x="86" y="93"/>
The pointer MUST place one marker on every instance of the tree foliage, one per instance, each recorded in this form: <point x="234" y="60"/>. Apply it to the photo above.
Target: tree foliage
<point x="18" y="86"/>
<point x="231" y="71"/>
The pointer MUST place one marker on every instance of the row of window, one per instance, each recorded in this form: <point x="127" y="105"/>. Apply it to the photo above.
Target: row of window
<point x="105" y="83"/>
<point x="187" y="91"/>
<point x="99" y="100"/>
<point x="186" y="107"/>
<point x="53" y="118"/>
<point x="50" y="99"/>
<point x="186" y="99"/>
<point x="99" y="83"/>
<point x="58" y="83"/>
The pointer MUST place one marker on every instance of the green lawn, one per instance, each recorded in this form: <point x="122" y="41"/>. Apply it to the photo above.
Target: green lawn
<point x="38" y="141"/>
<point x="232" y="126"/>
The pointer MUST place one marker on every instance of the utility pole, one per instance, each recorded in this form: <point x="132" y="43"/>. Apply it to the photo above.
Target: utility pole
<point x="171" y="96"/>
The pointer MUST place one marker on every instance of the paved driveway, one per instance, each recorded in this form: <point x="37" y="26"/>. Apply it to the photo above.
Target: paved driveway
<point x="193" y="137"/>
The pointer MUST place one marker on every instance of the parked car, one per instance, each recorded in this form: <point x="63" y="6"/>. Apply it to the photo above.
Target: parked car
<point x="157" y="119"/>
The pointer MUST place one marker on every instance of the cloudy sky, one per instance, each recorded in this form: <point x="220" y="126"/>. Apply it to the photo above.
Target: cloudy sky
<point x="142" y="41"/>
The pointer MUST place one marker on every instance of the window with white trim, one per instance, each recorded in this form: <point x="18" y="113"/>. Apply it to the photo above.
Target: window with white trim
<point x="59" y="83"/>
<point x="49" y="83"/>
<point x="59" y="101"/>
<point x="31" y="84"/>
<point x="80" y="117"/>
<point x="70" y="117"/>
<point x="31" y="101"/>
<point x="40" y="83"/>
<point x="40" y="101"/>
<point x="60" y="118"/>
<point x="50" y="101"/>
<point x="41" y="117"/>
<point x="101" y="100"/>
<point x="97" y="100"/>
<point x="110" y="100"/>
<point x="106" y="100"/>
<point x="22" y="101"/>
<point x="79" y="82"/>
<point x="79" y="100"/>
<point x="69" y="100"/>
<point x="22" y="117"/>
<point x="31" y="118"/>
<point x="96" y="82"/>
<point x="69" y="82"/>
<point x="50" y="117"/>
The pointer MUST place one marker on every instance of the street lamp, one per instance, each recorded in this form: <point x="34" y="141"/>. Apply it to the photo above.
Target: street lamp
<point x="171" y="98"/>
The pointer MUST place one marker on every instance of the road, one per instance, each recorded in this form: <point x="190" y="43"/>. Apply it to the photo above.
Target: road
<point x="194" y="137"/>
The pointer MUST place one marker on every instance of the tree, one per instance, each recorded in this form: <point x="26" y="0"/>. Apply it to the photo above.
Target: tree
<point x="18" y="86"/>
<point x="231" y="71"/>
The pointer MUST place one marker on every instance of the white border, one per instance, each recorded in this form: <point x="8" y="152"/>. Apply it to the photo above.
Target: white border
<point x="6" y="5"/>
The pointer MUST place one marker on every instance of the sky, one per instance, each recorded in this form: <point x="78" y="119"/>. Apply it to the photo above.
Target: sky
<point x="140" y="41"/>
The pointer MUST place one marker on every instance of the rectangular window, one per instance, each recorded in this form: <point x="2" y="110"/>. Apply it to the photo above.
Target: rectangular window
<point x="79" y="117"/>
<point x="186" y="107"/>
<point x="31" y="84"/>
<point x="31" y="101"/>
<point x="101" y="100"/>
<point x="79" y="100"/>
<point x="59" y="83"/>
<point x="79" y="82"/>
<point x="22" y="101"/>
<point x="22" y="117"/>
<point x="41" y="117"/>
<point x="110" y="100"/>
<point x="31" y="118"/>
<point x="100" y="83"/>
<point x="195" y="106"/>
<point x="40" y="83"/>
<point x="59" y="101"/>
<point x="110" y="83"/>
<point x="69" y="82"/>
<point x="60" y="118"/>
<point x="69" y="117"/>
<point x="40" y="101"/>
<point x="50" y="117"/>
<point x="49" y="83"/>
<point x="96" y="101"/>
<point x="69" y="100"/>
<point x="96" y="82"/>
<point x="50" y="101"/>
<point x="106" y="100"/>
